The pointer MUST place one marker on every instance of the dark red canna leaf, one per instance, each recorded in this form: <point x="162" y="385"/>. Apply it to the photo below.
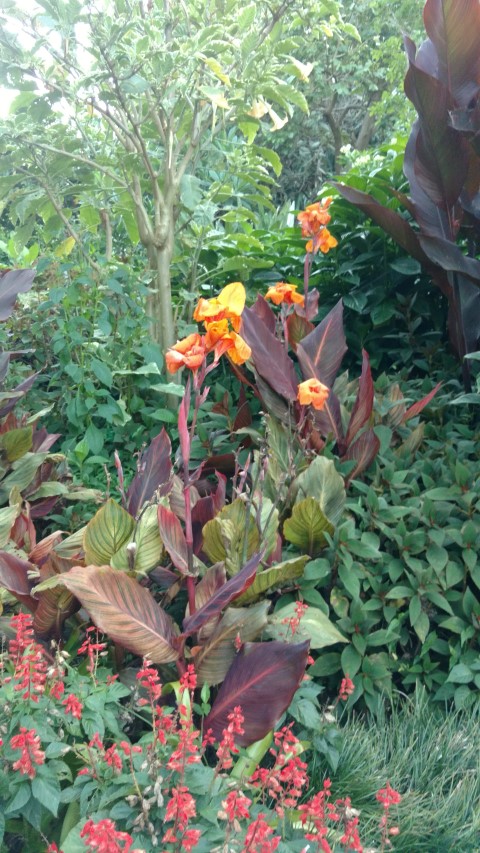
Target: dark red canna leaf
<point x="154" y="472"/>
<point x="441" y="153"/>
<point x="363" y="451"/>
<point x="363" y="406"/>
<point x="269" y="356"/>
<point x="17" y="393"/>
<point x="262" y="681"/>
<point x="453" y="27"/>
<point x="321" y="352"/>
<point x="13" y="282"/>
<point x="298" y="328"/>
<point x="14" y="577"/>
<point x="265" y="313"/>
<point x="205" y="509"/>
<point x="173" y="538"/>
<point x="389" y="220"/>
<point x="223" y="596"/>
<point x="309" y="309"/>
<point x="417" y="407"/>
<point x="54" y="607"/>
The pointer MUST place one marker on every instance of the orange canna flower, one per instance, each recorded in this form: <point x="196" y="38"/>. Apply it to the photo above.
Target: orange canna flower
<point x="312" y="392"/>
<point x="282" y="292"/>
<point x="234" y="346"/>
<point x="323" y="241"/>
<point x="190" y="352"/>
<point x="215" y="331"/>
<point x="313" y="221"/>
<point x="228" y="305"/>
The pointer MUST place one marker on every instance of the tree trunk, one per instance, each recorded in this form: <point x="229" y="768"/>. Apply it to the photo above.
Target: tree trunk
<point x="160" y="308"/>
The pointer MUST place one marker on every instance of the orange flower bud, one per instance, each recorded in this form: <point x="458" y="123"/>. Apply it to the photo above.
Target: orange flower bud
<point x="312" y="392"/>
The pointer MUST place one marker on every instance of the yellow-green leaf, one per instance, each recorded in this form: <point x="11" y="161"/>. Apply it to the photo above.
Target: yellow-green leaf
<point x="16" y="442"/>
<point x="65" y="247"/>
<point x="275" y="576"/>
<point x="224" y="536"/>
<point x="148" y="546"/>
<point x="109" y="529"/>
<point x="307" y="526"/>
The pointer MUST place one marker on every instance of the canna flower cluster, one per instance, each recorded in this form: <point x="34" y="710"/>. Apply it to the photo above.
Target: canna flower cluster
<point x="283" y="292"/>
<point x="221" y="317"/>
<point x="314" y="220"/>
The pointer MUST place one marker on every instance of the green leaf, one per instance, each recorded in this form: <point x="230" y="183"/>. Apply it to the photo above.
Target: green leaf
<point x="274" y="576"/>
<point x="307" y="527"/>
<point x="460" y="674"/>
<point x="148" y="550"/>
<point x="422" y="626"/>
<point x="351" y="661"/>
<point x="109" y="529"/>
<point x="47" y="792"/>
<point x="322" y="481"/>
<point x="232" y="537"/>
<point x="314" y="626"/>
<point x="102" y="372"/>
<point x="16" y="442"/>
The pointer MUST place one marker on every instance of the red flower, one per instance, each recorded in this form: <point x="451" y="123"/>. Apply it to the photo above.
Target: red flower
<point x="257" y="839"/>
<point x="236" y="806"/>
<point x="29" y="742"/>
<point x="347" y="687"/>
<point x="73" y="706"/>
<point x="227" y="747"/>
<point x="103" y="837"/>
<point x="388" y="796"/>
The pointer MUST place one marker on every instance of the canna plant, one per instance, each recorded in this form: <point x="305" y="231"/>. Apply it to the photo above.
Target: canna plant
<point x="212" y="562"/>
<point x="442" y="166"/>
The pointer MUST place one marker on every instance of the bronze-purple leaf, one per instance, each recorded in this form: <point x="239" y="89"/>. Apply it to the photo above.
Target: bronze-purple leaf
<point x="14" y="577"/>
<point x="417" y="407"/>
<point x="269" y="355"/>
<point x="13" y="282"/>
<point x="154" y="472"/>
<point x="363" y="451"/>
<point x="124" y="610"/>
<point x="363" y="406"/>
<point x="173" y="538"/>
<point x="264" y="311"/>
<point x="453" y="27"/>
<point x="262" y="681"/>
<point x="223" y="596"/>
<point x="320" y="353"/>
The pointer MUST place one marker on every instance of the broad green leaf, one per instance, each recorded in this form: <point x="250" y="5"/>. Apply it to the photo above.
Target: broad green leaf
<point x="313" y="626"/>
<point x="125" y="610"/>
<point x="232" y="537"/>
<point x="72" y="545"/>
<point x="16" y="442"/>
<point x="307" y="526"/>
<point x="23" y="472"/>
<point x="217" y="69"/>
<point x="322" y="481"/>
<point x="109" y="529"/>
<point x="272" y="577"/>
<point x="148" y="550"/>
